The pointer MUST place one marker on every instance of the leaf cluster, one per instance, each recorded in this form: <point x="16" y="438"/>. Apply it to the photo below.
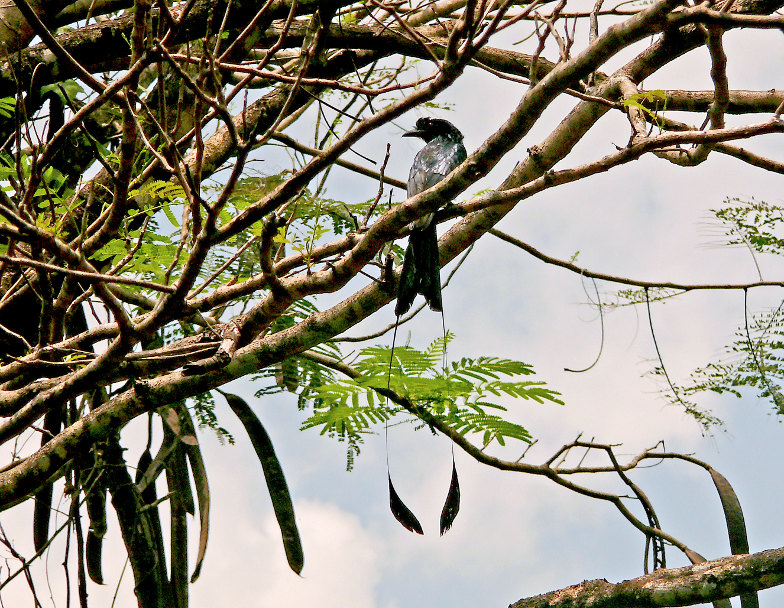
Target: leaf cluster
<point x="465" y="395"/>
<point x="758" y="225"/>
<point x="753" y="362"/>
<point x="644" y="99"/>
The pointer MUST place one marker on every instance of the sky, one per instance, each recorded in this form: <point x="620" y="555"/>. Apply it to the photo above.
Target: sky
<point x="516" y="535"/>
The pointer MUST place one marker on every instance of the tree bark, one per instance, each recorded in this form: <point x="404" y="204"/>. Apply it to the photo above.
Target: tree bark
<point x="706" y="582"/>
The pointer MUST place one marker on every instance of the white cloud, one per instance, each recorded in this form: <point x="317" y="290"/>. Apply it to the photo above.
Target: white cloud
<point x="247" y="563"/>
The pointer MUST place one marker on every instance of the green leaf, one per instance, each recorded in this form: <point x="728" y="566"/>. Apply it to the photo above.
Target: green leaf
<point x="7" y="106"/>
<point x="347" y="408"/>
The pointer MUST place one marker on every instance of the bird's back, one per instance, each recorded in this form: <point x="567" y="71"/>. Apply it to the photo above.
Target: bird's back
<point x="434" y="162"/>
<point x="442" y="154"/>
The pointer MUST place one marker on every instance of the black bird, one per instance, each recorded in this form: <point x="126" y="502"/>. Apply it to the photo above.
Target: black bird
<point x="443" y="152"/>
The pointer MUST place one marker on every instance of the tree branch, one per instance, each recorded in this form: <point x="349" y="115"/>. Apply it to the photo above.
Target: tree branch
<point x="705" y="582"/>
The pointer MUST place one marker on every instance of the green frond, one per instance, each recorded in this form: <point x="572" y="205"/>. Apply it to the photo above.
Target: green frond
<point x="157" y="190"/>
<point x="203" y="408"/>
<point x="486" y="368"/>
<point x="491" y="427"/>
<point x="523" y="390"/>
<point x="460" y="396"/>
<point x="375" y="360"/>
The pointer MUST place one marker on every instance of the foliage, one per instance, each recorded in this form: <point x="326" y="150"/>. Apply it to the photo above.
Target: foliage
<point x="644" y="99"/>
<point x="633" y="297"/>
<point x="757" y="225"/>
<point x="203" y="408"/>
<point x="7" y="105"/>
<point x="463" y="394"/>
<point x="753" y="362"/>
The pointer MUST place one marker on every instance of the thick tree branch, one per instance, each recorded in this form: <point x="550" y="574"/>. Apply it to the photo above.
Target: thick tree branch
<point x="709" y="581"/>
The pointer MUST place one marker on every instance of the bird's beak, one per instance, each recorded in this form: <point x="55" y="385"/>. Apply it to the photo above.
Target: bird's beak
<point x="413" y="133"/>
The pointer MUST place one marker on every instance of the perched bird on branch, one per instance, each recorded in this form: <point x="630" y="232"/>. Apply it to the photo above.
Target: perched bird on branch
<point x="443" y="152"/>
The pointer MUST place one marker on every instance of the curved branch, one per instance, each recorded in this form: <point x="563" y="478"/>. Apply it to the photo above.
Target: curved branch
<point x="585" y="272"/>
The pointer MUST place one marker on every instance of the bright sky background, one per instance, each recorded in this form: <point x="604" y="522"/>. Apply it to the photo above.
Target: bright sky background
<point x="516" y="535"/>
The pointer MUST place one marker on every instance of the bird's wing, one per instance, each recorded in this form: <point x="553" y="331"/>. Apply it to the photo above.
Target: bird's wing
<point x="452" y="155"/>
<point x="433" y="163"/>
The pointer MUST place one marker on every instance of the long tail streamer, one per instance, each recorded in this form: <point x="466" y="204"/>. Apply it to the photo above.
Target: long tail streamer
<point x="399" y="509"/>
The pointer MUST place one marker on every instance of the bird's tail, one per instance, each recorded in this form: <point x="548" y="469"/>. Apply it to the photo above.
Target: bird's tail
<point x="420" y="272"/>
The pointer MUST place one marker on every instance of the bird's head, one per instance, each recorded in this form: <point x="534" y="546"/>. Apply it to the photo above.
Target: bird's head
<point x="430" y="128"/>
